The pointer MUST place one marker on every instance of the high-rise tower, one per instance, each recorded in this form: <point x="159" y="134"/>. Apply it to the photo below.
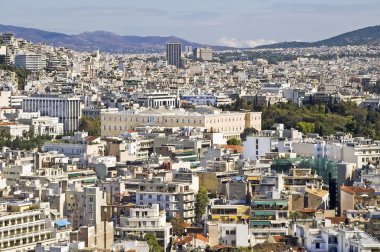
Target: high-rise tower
<point x="173" y="54"/>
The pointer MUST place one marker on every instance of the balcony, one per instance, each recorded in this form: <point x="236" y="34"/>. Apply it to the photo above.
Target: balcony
<point x="23" y="225"/>
<point x="14" y="215"/>
<point x="45" y="232"/>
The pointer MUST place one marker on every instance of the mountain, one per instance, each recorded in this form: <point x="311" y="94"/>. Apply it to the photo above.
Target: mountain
<point x="101" y="40"/>
<point x="365" y="36"/>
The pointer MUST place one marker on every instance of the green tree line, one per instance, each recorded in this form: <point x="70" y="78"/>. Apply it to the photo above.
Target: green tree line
<point x="27" y="142"/>
<point x="324" y="119"/>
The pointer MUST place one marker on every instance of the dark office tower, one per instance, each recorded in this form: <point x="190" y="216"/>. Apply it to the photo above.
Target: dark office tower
<point x="173" y="54"/>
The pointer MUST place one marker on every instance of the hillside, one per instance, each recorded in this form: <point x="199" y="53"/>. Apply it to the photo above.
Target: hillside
<point x="365" y="36"/>
<point x="100" y="40"/>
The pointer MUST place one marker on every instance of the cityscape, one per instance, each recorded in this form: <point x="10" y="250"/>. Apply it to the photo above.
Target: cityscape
<point x="156" y="143"/>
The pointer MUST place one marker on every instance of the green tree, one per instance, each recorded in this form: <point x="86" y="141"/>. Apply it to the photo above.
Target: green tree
<point x="247" y="132"/>
<point x="91" y="125"/>
<point x="234" y="141"/>
<point x="153" y="243"/>
<point x="178" y="226"/>
<point x="306" y="127"/>
<point x="201" y="202"/>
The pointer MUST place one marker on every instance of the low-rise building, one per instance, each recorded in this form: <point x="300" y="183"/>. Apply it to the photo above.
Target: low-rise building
<point x="175" y="197"/>
<point x="145" y="219"/>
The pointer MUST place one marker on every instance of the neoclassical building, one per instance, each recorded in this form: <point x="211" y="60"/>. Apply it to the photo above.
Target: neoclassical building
<point x="231" y="124"/>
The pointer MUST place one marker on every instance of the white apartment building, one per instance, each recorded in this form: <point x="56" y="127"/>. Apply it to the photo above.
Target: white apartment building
<point x="230" y="234"/>
<point x="336" y="238"/>
<point x="21" y="228"/>
<point x="175" y="197"/>
<point x="80" y="150"/>
<point x="357" y="153"/>
<point x="13" y="173"/>
<point x="67" y="109"/>
<point x="145" y="219"/>
<point x="256" y="146"/>
<point x="361" y="154"/>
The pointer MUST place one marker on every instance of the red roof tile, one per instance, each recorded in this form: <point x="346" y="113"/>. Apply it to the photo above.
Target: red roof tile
<point x="356" y="190"/>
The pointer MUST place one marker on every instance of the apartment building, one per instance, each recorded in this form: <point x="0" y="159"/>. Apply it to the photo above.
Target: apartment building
<point x="83" y="206"/>
<point x="229" y="213"/>
<point x="145" y="219"/>
<point x="175" y="197"/>
<point x="231" y="124"/>
<point x="268" y="217"/>
<point x="24" y="225"/>
<point x="202" y="53"/>
<point x="340" y="238"/>
<point x="228" y="234"/>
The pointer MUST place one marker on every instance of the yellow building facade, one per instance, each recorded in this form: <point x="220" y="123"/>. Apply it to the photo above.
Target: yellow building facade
<point x="231" y="124"/>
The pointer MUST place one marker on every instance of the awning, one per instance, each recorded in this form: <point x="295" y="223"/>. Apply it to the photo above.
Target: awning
<point x="263" y="213"/>
<point x="90" y="180"/>
<point x="260" y="223"/>
<point x="62" y="223"/>
<point x="270" y="202"/>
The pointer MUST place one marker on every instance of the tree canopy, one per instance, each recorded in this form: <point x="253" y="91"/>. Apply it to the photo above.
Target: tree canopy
<point x="27" y="142"/>
<point x="201" y="202"/>
<point x="178" y="226"/>
<point x="234" y="141"/>
<point x="323" y="118"/>
<point x="91" y="125"/>
<point x="153" y="243"/>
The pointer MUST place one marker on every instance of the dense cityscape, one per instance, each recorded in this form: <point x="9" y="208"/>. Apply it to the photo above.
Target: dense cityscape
<point x="191" y="149"/>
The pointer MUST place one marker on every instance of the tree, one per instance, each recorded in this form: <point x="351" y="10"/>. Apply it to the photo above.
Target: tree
<point x="234" y="141"/>
<point x="153" y="243"/>
<point x="91" y="125"/>
<point x="306" y="127"/>
<point x="247" y="132"/>
<point x="201" y="202"/>
<point x="178" y="226"/>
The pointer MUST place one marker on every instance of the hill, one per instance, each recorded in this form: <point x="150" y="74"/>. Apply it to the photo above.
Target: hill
<point x="365" y="36"/>
<point x="101" y="40"/>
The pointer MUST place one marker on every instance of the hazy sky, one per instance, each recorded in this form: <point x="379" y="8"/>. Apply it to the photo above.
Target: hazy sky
<point x="223" y="22"/>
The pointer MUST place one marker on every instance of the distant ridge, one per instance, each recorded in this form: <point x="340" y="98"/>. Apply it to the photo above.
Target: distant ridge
<point x="100" y="40"/>
<point x="365" y="36"/>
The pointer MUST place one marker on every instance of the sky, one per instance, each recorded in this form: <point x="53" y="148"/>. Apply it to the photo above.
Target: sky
<point x="238" y="23"/>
